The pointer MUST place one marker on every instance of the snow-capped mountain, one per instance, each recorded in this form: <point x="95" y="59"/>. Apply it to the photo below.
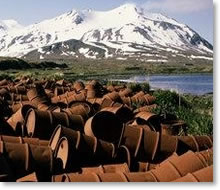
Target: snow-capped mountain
<point x="8" y="26"/>
<point x="124" y="31"/>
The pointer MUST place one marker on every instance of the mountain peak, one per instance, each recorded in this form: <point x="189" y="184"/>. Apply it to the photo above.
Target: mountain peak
<point x="127" y="24"/>
<point x="128" y="7"/>
<point x="8" y="25"/>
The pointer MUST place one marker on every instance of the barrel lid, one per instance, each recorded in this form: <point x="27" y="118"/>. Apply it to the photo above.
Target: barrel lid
<point x="62" y="151"/>
<point x="55" y="137"/>
<point x="30" y="121"/>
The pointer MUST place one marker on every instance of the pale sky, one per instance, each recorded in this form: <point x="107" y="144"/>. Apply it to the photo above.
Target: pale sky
<point x="198" y="14"/>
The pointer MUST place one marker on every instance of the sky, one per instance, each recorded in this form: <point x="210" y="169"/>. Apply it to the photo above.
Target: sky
<point x="198" y="14"/>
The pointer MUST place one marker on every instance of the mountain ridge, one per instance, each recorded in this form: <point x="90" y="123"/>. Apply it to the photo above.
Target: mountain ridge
<point x="119" y="32"/>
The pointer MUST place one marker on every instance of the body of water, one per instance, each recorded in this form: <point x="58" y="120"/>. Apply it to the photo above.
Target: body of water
<point x="185" y="83"/>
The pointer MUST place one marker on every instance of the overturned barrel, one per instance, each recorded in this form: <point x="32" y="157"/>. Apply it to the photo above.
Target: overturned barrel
<point x="104" y="125"/>
<point x="41" y="124"/>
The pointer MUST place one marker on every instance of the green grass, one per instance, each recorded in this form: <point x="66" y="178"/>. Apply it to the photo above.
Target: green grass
<point x="86" y="69"/>
<point x="196" y="111"/>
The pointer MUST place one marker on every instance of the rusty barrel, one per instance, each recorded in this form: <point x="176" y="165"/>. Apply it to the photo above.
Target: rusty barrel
<point x="109" y="168"/>
<point x="104" y="125"/>
<point x="80" y="150"/>
<point x="203" y="175"/>
<point x="173" y="127"/>
<point x="148" y="118"/>
<point x="17" y="90"/>
<point x="114" y="96"/>
<point x="125" y="92"/>
<point x="6" y="174"/>
<point x="22" y="140"/>
<point x="166" y="147"/>
<point x="61" y="90"/>
<point x="178" y="167"/>
<point x="147" y="108"/>
<point x="123" y="155"/>
<point x="149" y="145"/>
<point x="38" y="97"/>
<point x="78" y="85"/>
<point x="194" y="143"/>
<point x="144" y="166"/>
<point x="19" y="116"/>
<point x="132" y="138"/>
<point x="122" y="112"/>
<point x="3" y="82"/>
<point x="126" y="101"/>
<point x="42" y="123"/>
<point x="24" y="158"/>
<point x="72" y="177"/>
<point x="84" y="109"/>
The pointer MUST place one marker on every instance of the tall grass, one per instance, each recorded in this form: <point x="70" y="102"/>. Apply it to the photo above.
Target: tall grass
<point x="196" y="111"/>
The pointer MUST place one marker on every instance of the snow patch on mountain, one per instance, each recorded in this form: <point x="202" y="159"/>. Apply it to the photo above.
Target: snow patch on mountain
<point x="122" y="31"/>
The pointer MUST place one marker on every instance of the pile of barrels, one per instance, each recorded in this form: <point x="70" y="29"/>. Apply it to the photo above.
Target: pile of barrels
<point x="59" y="131"/>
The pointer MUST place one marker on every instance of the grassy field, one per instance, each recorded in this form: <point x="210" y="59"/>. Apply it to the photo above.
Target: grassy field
<point x="99" y="69"/>
<point x="196" y="111"/>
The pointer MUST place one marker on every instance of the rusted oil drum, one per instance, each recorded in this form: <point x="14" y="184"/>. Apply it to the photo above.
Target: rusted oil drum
<point x="112" y="177"/>
<point x="144" y="166"/>
<point x="149" y="99"/>
<point x="122" y="112"/>
<point x="204" y="142"/>
<point x="38" y="97"/>
<point x="114" y="96"/>
<point x="203" y="175"/>
<point x="132" y="138"/>
<point x="116" y="168"/>
<point x="62" y="153"/>
<point x="78" y="85"/>
<point x="41" y="161"/>
<point x="19" y="116"/>
<point x="61" y="90"/>
<point x="125" y="92"/>
<point x="17" y="90"/>
<point x="38" y="124"/>
<point x="96" y="170"/>
<point x="147" y="108"/>
<point x="5" y="128"/>
<point x="187" y="143"/>
<point x="59" y="132"/>
<point x="149" y="146"/>
<point x="166" y="172"/>
<point x="29" y="178"/>
<point x="6" y="174"/>
<point x="22" y="140"/>
<point x="206" y="155"/>
<point x="104" y="125"/>
<point x="18" y="157"/>
<point x="140" y="177"/>
<point x="109" y="168"/>
<point x="167" y="146"/>
<point x="148" y="118"/>
<point x="42" y="123"/>
<point x="85" y="109"/>
<point x="173" y="127"/>
<point x="3" y="82"/>
<point x="104" y="152"/>
<point x="72" y="177"/>
<point x="127" y="101"/>
<point x="188" y="163"/>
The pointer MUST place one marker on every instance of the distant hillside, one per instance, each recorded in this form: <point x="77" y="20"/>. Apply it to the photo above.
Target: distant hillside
<point x="19" y="64"/>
